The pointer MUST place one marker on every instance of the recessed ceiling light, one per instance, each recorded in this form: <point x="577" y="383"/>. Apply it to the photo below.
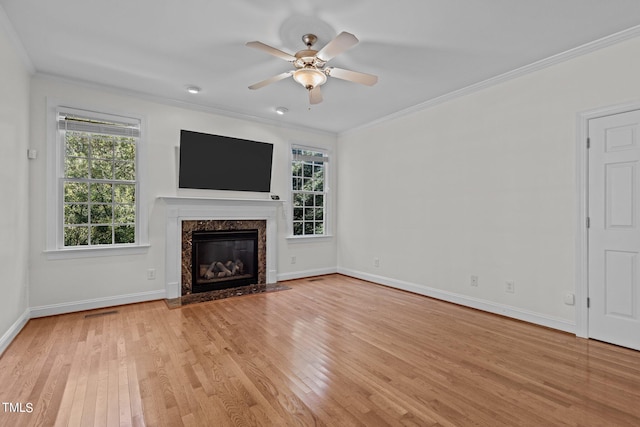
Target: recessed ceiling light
<point x="281" y="110"/>
<point x="193" y="89"/>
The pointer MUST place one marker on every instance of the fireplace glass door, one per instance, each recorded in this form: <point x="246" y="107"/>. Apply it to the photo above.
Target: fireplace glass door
<point x="224" y="259"/>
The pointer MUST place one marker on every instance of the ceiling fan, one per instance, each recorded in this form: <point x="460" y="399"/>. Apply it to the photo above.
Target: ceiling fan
<point x="309" y="64"/>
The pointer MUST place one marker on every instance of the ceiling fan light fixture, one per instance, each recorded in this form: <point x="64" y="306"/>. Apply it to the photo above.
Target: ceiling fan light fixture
<point x="309" y="65"/>
<point x="193" y="89"/>
<point x="281" y="111"/>
<point x="309" y="77"/>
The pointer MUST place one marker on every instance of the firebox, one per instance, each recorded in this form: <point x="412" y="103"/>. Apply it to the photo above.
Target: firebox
<point x="224" y="259"/>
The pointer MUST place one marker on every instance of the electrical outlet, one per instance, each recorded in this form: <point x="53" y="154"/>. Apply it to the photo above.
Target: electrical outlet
<point x="293" y="260"/>
<point x="569" y="298"/>
<point x="151" y="274"/>
<point x="510" y="286"/>
<point x="474" y="281"/>
<point x="376" y="262"/>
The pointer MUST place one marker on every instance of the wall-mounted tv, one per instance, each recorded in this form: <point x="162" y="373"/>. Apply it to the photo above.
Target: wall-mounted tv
<point x="215" y="162"/>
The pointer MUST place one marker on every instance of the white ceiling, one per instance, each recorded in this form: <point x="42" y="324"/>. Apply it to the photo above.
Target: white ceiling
<point x="420" y="49"/>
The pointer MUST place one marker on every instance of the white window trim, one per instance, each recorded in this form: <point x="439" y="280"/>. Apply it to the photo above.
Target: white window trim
<point x="55" y="161"/>
<point x="327" y="200"/>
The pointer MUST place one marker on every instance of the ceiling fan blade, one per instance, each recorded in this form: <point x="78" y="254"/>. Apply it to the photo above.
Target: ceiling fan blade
<point x="270" y="80"/>
<point x="271" y="50"/>
<point x="335" y="47"/>
<point x="315" y="95"/>
<point x="353" y="76"/>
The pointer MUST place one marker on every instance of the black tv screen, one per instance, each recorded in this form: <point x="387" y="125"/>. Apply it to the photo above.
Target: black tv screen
<point x="215" y="162"/>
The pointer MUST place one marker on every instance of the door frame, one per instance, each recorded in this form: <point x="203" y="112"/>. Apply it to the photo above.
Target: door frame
<point x="582" y="208"/>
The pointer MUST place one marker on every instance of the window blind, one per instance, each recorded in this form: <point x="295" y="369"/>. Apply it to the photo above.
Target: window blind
<point x="74" y="122"/>
<point x="319" y="157"/>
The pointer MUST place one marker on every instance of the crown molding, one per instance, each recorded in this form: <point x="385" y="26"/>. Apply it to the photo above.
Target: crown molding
<point x="509" y="75"/>
<point x="14" y="40"/>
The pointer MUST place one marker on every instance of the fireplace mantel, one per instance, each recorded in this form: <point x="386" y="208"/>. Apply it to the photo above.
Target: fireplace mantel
<point x="180" y="209"/>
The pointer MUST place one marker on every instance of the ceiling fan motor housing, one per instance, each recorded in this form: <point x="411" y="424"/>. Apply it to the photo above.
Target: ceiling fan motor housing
<point x="306" y="58"/>
<point x="309" y="67"/>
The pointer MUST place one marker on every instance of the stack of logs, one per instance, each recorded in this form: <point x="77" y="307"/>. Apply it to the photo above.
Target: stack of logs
<point x="218" y="269"/>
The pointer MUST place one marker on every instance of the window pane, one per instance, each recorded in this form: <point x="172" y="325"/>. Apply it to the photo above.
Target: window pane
<point x="319" y="228"/>
<point x="296" y="169"/>
<point x="75" y="167"/>
<point x="297" y="183"/>
<point x="308" y="200"/>
<point x="125" y="234"/>
<point x="308" y="213"/>
<point x="76" y="236"/>
<point x="76" y="214"/>
<point x="101" y="235"/>
<point x="308" y="184"/>
<point x="76" y="192"/>
<point x="125" y="193"/>
<point x="101" y="169"/>
<point x="319" y="214"/>
<point x="297" y="213"/>
<point x="125" y="171"/>
<point x="101" y="193"/>
<point x="308" y="228"/>
<point x="125" y="149"/>
<point x="307" y="170"/>
<point x="76" y="144"/>
<point x="101" y="214"/>
<point x="124" y="214"/>
<point x="297" y="228"/>
<point x="319" y="200"/>
<point x="298" y="199"/>
<point x="101" y="147"/>
<point x="318" y="185"/>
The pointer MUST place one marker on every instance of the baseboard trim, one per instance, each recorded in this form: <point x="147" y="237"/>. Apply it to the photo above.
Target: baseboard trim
<point x="306" y="273"/>
<point x="91" y="304"/>
<point x="479" y="304"/>
<point x="14" y="330"/>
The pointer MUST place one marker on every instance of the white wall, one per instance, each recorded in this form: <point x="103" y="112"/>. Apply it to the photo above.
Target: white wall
<point x="14" y="188"/>
<point x="64" y="284"/>
<point x="484" y="185"/>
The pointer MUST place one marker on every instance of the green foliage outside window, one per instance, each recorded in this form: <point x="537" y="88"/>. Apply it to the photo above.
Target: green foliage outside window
<point x="99" y="189"/>
<point x="308" y="185"/>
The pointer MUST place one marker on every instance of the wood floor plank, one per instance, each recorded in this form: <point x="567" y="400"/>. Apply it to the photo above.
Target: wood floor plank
<point x="330" y="351"/>
<point x="102" y="386"/>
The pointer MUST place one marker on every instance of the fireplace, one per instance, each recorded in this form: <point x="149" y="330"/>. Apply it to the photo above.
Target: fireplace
<point x="186" y="215"/>
<point x="223" y="259"/>
<point x="222" y="255"/>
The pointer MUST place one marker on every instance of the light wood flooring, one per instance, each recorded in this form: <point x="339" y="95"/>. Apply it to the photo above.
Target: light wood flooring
<point x="330" y="351"/>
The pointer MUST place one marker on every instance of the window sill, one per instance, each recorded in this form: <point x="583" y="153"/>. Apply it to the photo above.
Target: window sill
<point x="92" y="252"/>
<point x="303" y="239"/>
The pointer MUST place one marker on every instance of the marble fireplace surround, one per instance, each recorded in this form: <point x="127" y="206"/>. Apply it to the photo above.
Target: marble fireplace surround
<point x="189" y="227"/>
<point x="179" y="209"/>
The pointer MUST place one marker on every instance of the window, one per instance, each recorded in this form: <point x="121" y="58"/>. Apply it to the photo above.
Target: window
<point x="309" y="191"/>
<point x="97" y="186"/>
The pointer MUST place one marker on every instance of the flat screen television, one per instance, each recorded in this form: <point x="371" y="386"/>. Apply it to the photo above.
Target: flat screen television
<point x="215" y="162"/>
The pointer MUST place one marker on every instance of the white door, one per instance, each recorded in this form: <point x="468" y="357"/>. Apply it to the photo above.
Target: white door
<point x="614" y="233"/>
